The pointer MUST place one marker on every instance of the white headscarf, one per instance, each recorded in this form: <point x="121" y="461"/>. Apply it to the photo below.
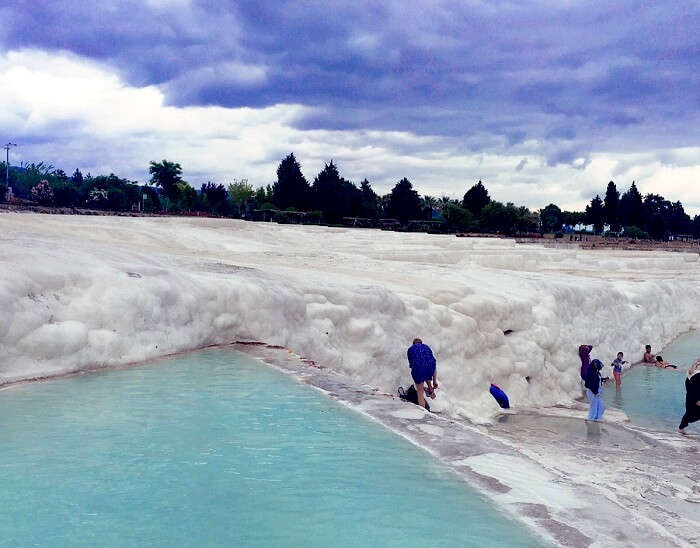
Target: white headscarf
<point x="694" y="369"/>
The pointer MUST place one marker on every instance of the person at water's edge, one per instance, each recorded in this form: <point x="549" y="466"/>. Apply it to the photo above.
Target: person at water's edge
<point x="594" y="391"/>
<point x="692" y="397"/>
<point x="423" y="368"/>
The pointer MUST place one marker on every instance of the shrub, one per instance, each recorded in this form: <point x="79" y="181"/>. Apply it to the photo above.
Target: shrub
<point x="43" y="193"/>
<point x="636" y="232"/>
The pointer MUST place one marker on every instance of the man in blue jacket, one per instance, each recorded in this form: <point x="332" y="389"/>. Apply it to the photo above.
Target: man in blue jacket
<point x="423" y="368"/>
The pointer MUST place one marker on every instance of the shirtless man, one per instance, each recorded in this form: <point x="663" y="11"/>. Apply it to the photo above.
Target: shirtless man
<point x="648" y="356"/>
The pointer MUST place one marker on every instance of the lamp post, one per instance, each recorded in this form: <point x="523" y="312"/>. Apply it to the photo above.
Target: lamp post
<point x="7" y="147"/>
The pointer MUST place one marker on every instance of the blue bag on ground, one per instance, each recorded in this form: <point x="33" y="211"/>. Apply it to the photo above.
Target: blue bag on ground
<point x="500" y="396"/>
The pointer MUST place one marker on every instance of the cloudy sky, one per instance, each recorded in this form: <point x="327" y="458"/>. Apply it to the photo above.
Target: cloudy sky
<point x="542" y="100"/>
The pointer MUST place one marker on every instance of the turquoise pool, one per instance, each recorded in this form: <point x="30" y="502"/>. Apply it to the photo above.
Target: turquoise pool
<point x="218" y="449"/>
<point x="655" y="397"/>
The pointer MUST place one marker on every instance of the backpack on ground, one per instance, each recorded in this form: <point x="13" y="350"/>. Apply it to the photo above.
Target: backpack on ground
<point x="411" y="395"/>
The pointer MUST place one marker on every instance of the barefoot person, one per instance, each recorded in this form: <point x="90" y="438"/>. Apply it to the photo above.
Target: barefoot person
<point x="648" y="356"/>
<point x="423" y="369"/>
<point x="594" y="391"/>
<point x="692" y="397"/>
<point x="617" y="369"/>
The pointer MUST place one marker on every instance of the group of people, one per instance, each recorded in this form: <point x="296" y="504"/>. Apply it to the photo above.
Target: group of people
<point x="593" y="381"/>
<point x="424" y="373"/>
<point x="658" y="361"/>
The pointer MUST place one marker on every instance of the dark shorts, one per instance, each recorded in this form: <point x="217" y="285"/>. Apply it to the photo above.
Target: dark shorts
<point x="422" y="374"/>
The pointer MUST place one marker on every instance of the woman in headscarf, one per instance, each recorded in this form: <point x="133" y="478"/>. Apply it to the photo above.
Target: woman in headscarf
<point x="594" y="391"/>
<point x="692" y="397"/>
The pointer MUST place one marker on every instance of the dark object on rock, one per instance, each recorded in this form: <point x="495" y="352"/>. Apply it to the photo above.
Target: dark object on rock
<point x="411" y="395"/>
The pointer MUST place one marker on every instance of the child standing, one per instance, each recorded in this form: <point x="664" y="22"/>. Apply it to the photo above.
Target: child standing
<point x="617" y="369"/>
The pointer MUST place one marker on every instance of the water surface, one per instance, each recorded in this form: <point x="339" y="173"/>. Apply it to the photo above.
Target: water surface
<point x="655" y="397"/>
<point x="218" y="449"/>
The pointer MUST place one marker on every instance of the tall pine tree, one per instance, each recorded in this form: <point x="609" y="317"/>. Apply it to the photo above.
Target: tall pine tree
<point x="334" y="196"/>
<point x="291" y="188"/>
<point x="404" y="202"/>
<point x="370" y="201"/>
<point x="632" y="208"/>
<point x="611" y="207"/>
<point x="476" y="198"/>
<point x="595" y="214"/>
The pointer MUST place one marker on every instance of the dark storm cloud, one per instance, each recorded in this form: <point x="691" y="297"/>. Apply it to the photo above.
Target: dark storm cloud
<point x="495" y="74"/>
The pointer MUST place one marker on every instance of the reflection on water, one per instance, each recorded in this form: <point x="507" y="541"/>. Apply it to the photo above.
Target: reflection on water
<point x="593" y="431"/>
<point x="617" y="398"/>
<point x="655" y="397"/>
<point x="571" y="431"/>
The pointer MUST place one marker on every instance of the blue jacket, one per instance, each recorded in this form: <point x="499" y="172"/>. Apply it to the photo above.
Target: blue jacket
<point x="421" y="357"/>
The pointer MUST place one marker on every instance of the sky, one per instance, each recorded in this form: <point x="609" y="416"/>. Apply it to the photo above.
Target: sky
<point x="545" y="101"/>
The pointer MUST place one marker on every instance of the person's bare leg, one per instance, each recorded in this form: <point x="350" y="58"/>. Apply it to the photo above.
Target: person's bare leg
<point x="421" y="395"/>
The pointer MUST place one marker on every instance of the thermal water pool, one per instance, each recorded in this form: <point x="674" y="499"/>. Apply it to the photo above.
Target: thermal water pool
<point x="655" y="397"/>
<point x="215" y="448"/>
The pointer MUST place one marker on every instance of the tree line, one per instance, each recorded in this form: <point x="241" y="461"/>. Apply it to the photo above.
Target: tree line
<point x="330" y="198"/>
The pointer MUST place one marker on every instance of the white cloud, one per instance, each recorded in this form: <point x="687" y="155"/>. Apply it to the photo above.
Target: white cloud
<point x="72" y="113"/>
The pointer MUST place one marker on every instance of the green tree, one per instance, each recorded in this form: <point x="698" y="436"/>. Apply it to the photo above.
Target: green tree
<point x="657" y="216"/>
<point x="28" y="176"/>
<point x="167" y="175"/>
<point x="695" y="226"/>
<point x="43" y="193"/>
<point x="458" y="218"/>
<point x="635" y="232"/>
<point x="188" y="200"/>
<point x="445" y="201"/>
<point x="611" y="207"/>
<point x="60" y="175"/>
<point x="404" y="202"/>
<point x="680" y="221"/>
<point x="334" y="196"/>
<point x="500" y="218"/>
<point x="262" y="196"/>
<point x="527" y="221"/>
<point x="291" y="188"/>
<point x="551" y="218"/>
<point x="217" y="198"/>
<point x="595" y="214"/>
<point x="476" y="198"/>
<point x="573" y="218"/>
<point x="369" y="205"/>
<point x="109" y="192"/>
<point x="77" y="177"/>
<point x="632" y="207"/>
<point x="239" y="191"/>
